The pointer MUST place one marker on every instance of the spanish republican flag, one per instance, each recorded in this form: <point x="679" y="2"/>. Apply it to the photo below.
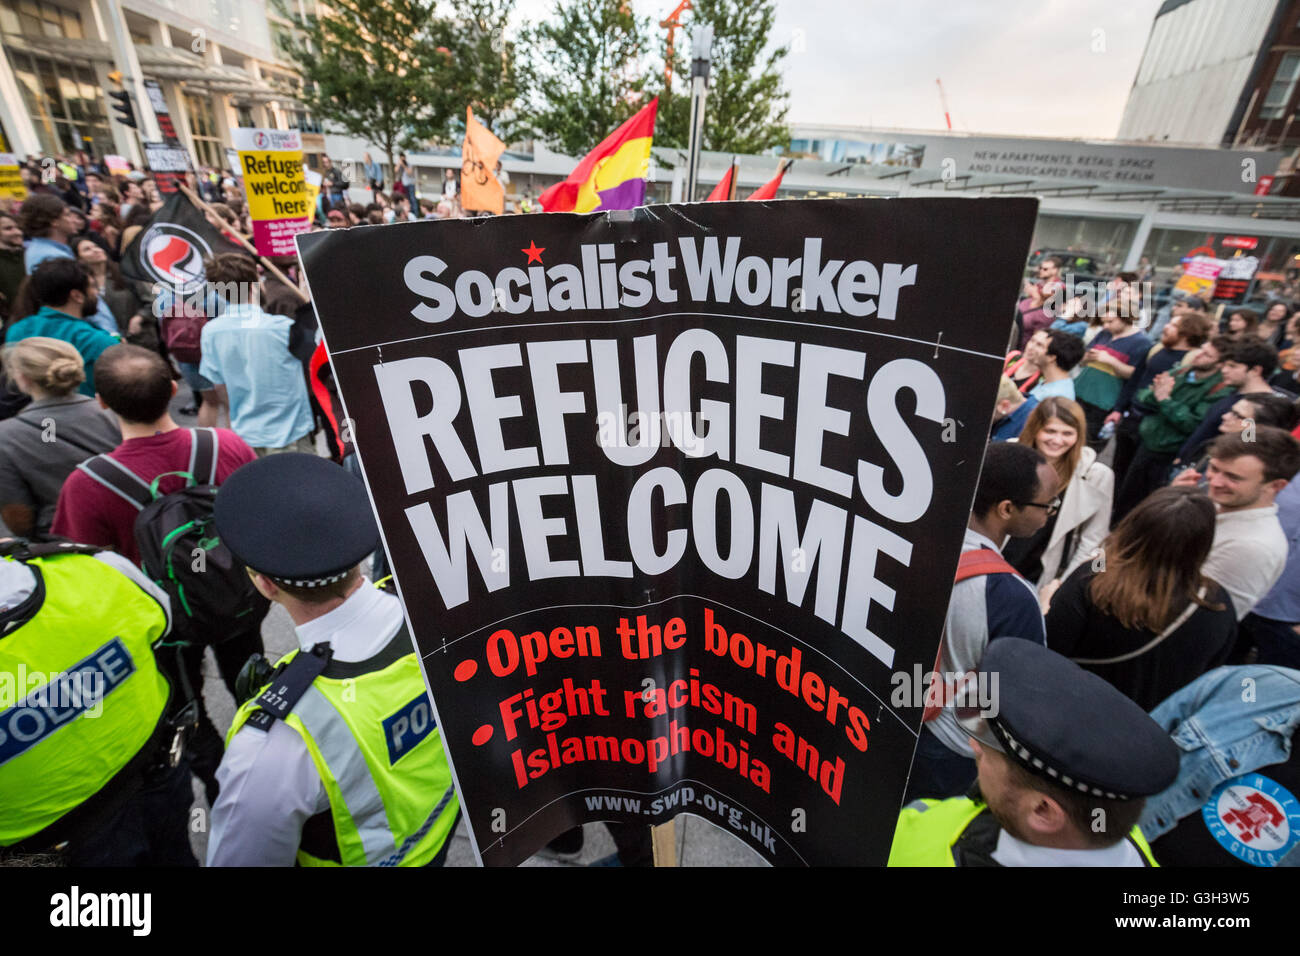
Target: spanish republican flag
<point x="611" y="176"/>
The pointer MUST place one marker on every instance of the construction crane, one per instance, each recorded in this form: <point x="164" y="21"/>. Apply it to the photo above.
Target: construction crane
<point x="671" y="24"/>
<point x="943" y="101"/>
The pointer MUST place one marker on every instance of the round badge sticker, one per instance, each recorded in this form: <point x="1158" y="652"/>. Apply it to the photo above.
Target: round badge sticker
<point x="1254" y="818"/>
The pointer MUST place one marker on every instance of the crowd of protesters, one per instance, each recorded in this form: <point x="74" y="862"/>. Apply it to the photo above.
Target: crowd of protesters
<point x="1137" y="511"/>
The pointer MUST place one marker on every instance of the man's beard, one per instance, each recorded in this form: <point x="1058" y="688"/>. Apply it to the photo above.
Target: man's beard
<point x="1000" y="814"/>
<point x="91" y="306"/>
<point x="1238" y="502"/>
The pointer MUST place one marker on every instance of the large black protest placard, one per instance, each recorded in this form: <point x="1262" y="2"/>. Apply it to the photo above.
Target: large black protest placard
<point x="674" y="497"/>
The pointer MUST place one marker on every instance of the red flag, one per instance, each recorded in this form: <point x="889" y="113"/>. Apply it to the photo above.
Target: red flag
<point x="726" y="188"/>
<point x="769" y="188"/>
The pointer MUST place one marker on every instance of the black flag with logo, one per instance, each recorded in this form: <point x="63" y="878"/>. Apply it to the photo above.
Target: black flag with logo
<point x="169" y="251"/>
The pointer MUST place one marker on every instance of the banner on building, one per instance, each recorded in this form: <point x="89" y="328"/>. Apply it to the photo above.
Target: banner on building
<point x="674" y="497"/>
<point x="270" y="161"/>
<point x="168" y="163"/>
<point x="11" y="178"/>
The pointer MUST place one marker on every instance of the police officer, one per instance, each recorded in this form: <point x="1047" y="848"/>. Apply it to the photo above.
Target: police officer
<point x="1064" y="762"/>
<point x="336" y="760"/>
<point x="90" y="762"/>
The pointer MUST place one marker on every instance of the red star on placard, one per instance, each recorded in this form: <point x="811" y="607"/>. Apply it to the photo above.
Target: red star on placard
<point x="534" y="253"/>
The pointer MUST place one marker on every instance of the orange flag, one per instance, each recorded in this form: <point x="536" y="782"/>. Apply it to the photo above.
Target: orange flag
<point x="479" y="189"/>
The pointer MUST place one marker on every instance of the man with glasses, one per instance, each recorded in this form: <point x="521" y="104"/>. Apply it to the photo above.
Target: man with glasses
<point x="1037" y="294"/>
<point x="1248" y="364"/>
<point x="1016" y="497"/>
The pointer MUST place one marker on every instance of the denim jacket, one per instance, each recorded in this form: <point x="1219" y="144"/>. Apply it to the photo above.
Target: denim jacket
<point x="1223" y="735"/>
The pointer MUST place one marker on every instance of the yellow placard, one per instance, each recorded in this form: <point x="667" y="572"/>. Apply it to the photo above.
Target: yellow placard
<point x="1199" y="274"/>
<point x="270" y="163"/>
<point x="11" y="178"/>
<point x="275" y="184"/>
<point x="313" y="190"/>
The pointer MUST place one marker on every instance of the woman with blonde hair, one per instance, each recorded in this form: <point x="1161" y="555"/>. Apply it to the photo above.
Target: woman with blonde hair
<point x="42" y="444"/>
<point x="1056" y="427"/>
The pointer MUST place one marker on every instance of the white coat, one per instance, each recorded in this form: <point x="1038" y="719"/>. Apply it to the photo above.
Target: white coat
<point x="1085" y="506"/>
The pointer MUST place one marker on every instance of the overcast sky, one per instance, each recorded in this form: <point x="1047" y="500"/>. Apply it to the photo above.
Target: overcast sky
<point x="1028" y="67"/>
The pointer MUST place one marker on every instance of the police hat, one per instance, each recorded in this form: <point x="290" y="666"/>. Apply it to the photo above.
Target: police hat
<point x="299" y="519"/>
<point x="1070" y="726"/>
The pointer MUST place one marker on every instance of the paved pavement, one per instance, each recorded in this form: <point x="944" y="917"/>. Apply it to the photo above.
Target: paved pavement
<point x="699" y="843"/>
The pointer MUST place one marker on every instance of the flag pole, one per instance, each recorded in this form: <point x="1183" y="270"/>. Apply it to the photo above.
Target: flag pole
<point x="266" y="263"/>
<point x="701" y="52"/>
<point x="663" y="841"/>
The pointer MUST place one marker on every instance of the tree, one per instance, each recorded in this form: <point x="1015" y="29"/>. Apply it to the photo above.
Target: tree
<point x="485" y="64"/>
<point x="747" y="103"/>
<point x="375" y="69"/>
<point x="587" y="72"/>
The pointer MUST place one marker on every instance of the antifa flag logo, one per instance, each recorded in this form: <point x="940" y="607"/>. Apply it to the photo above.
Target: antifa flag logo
<point x="173" y="255"/>
<point x="170" y="249"/>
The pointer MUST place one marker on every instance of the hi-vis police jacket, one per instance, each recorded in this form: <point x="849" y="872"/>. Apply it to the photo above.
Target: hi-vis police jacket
<point x="962" y="832"/>
<point x="355" y="773"/>
<point x="81" y="698"/>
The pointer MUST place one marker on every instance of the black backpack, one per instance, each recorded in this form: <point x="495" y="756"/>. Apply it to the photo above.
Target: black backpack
<point x="212" y="596"/>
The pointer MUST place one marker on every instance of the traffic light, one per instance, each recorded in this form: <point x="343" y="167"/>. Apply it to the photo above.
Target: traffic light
<point x="125" y="112"/>
<point x="122" y="106"/>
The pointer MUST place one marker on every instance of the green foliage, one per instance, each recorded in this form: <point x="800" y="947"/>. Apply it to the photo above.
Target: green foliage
<point x="485" y="64"/>
<point x="375" y="69"/>
<point x="399" y="74"/>
<point x="747" y="103"/>
<point x="586" y="73"/>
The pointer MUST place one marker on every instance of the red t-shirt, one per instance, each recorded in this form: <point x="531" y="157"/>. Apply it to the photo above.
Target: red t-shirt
<point x="90" y="513"/>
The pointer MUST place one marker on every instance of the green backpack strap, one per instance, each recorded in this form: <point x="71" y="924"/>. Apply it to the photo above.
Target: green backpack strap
<point x="153" y="485"/>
